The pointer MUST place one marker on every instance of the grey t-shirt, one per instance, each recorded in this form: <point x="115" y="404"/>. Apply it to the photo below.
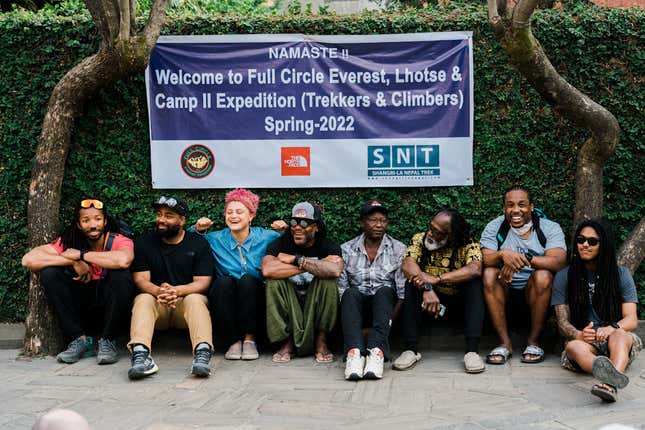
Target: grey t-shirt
<point x="552" y="233"/>
<point x="561" y="283"/>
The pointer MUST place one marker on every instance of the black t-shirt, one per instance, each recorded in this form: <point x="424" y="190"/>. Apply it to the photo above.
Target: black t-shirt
<point x="174" y="264"/>
<point x="320" y="249"/>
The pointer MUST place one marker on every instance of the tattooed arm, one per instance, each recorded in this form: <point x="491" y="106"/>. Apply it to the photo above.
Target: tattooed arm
<point x="565" y="327"/>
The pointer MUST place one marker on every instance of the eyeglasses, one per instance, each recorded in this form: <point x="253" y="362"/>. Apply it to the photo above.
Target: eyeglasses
<point x="592" y="241"/>
<point x="302" y="222"/>
<point x="375" y="221"/>
<point x="87" y="203"/>
<point x="171" y="202"/>
<point x="436" y="234"/>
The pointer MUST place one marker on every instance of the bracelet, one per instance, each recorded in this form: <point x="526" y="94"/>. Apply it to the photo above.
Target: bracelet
<point x="302" y="262"/>
<point x="440" y="280"/>
<point x="296" y="259"/>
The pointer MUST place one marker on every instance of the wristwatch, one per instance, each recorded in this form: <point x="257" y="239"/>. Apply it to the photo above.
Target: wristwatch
<point x="427" y="287"/>
<point x="82" y="255"/>
<point x="615" y="325"/>
<point x="528" y="256"/>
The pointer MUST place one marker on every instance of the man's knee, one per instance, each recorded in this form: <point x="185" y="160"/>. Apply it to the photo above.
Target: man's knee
<point x="574" y="346"/>
<point x="195" y="300"/>
<point x="49" y="275"/>
<point x="621" y="338"/>
<point x="351" y="295"/>
<point x="144" y="301"/>
<point x="541" y="281"/>
<point x="489" y="279"/>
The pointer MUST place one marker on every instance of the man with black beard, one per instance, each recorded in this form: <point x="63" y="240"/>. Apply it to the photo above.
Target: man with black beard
<point x="84" y="271"/>
<point x="172" y="269"/>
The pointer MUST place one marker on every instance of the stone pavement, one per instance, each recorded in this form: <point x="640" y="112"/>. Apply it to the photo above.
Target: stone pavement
<point x="435" y="394"/>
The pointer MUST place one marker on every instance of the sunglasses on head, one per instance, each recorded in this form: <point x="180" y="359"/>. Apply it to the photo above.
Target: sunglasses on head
<point x="302" y="222"/>
<point x="170" y="202"/>
<point x="87" y="203"/>
<point x="592" y="241"/>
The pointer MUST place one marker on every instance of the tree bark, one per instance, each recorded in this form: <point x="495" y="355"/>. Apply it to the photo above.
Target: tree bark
<point x="115" y="60"/>
<point x="633" y="249"/>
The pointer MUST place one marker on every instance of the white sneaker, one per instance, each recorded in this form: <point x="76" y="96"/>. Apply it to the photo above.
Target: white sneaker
<point x="406" y="360"/>
<point x="374" y="364"/>
<point x="354" y="365"/>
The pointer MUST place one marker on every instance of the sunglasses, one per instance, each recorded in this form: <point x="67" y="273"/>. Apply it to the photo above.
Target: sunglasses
<point x="88" y="203"/>
<point x="592" y="241"/>
<point x="302" y="222"/>
<point x="171" y="202"/>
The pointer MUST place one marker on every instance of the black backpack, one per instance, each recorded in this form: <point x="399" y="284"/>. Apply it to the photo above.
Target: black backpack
<point x="536" y="215"/>
<point x="124" y="229"/>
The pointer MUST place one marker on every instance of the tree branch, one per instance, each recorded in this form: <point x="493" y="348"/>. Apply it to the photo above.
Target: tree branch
<point x="155" y="21"/>
<point x="105" y="14"/>
<point x="633" y="249"/>
<point x="494" y="19"/>
<point x="522" y="13"/>
<point x="124" y="19"/>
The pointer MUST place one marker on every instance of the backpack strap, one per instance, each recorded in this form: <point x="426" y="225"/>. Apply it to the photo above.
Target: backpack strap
<point x="505" y="227"/>
<point x="108" y="245"/>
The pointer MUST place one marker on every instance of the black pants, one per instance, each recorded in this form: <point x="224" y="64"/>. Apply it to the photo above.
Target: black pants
<point x="234" y="306"/>
<point x="81" y="307"/>
<point x="357" y="308"/>
<point x="469" y="300"/>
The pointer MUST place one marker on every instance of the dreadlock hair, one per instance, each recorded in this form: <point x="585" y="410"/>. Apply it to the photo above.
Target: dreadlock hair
<point x="516" y="187"/>
<point x="459" y="235"/>
<point x="73" y="237"/>
<point x="607" y="299"/>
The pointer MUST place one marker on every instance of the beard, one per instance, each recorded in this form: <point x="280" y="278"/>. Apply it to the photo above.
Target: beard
<point x="90" y="239"/>
<point x="432" y="245"/>
<point x="169" y="232"/>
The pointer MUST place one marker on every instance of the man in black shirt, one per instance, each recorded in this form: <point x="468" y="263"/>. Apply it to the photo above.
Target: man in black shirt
<point x="172" y="268"/>
<point x="302" y="268"/>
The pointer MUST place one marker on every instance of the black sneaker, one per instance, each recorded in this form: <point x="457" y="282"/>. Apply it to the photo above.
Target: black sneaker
<point x="75" y="350"/>
<point x="142" y="364"/>
<point x="107" y="352"/>
<point x="202" y="362"/>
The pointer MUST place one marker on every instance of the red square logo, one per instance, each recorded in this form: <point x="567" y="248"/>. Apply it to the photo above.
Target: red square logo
<point x="295" y="161"/>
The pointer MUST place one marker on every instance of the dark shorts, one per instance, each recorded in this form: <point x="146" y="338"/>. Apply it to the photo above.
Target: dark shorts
<point x="603" y="349"/>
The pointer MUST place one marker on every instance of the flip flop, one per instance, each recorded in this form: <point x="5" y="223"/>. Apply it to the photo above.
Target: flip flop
<point x="604" y="371"/>
<point x="533" y="350"/>
<point x="500" y="351"/>
<point x="282" y="357"/>
<point x="606" y="392"/>
<point x="324" y="357"/>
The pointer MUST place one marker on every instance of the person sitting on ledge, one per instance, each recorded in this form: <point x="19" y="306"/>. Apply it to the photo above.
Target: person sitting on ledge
<point x="595" y="305"/>
<point x="302" y="267"/>
<point x="83" y="271"/>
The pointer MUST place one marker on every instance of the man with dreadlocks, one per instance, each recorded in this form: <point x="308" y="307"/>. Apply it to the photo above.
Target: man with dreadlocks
<point x="84" y="270"/>
<point x="595" y="304"/>
<point x="443" y="265"/>
<point x="522" y="252"/>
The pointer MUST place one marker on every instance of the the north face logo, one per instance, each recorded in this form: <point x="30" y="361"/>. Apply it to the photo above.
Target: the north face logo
<point x="295" y="161"/>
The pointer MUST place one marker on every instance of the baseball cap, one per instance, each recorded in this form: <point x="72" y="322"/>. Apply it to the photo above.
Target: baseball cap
<point x="178" y="205"/>
<point x="307" y="211"/>
<point x="371" y="206"/>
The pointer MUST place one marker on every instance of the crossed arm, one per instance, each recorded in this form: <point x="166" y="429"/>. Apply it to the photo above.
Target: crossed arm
<point x="512" y="262"/>
<point x="282" y="266"/>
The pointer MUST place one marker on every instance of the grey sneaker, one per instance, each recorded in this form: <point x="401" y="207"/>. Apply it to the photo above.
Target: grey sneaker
<point x="202" y="362"/>
<point x="75" y="350"/>
<point x="406" y="360"/>
<point x="107" y="352"/>
<point x="142" y="364"/>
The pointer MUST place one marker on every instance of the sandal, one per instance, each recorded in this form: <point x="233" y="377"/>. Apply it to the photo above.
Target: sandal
<point x="535" y="351"/>
<point x="282" y="357"/>
<point x="606" y="392"/>
<point x="473" y="363"/>
<point x="604" y="371"/>
<point x="500" y="351"/>
<point x="324" y="357"/>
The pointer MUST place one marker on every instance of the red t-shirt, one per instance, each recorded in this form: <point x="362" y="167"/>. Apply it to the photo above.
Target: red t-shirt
<point x="120" y="242"/>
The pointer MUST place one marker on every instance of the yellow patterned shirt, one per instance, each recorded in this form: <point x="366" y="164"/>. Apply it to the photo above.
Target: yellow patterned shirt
<point x="438" y="262"/>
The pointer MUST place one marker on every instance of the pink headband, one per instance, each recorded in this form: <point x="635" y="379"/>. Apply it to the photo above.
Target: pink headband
<point x="246" y="197"/>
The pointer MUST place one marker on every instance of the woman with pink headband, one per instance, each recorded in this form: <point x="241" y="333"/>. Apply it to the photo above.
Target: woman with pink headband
<point x="238" y="285"/>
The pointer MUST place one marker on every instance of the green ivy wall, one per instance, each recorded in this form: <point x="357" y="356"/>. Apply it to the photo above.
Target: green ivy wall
<point x="517" y="136"/>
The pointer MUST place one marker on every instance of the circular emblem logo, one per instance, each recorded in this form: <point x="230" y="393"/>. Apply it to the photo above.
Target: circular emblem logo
<point x="197" y="161"/>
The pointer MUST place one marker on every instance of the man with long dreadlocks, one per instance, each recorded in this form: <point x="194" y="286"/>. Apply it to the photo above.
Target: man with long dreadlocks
<point x="85" y="270"/>
<point x="443" y="265"/>
<point x="595" y="304"/>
